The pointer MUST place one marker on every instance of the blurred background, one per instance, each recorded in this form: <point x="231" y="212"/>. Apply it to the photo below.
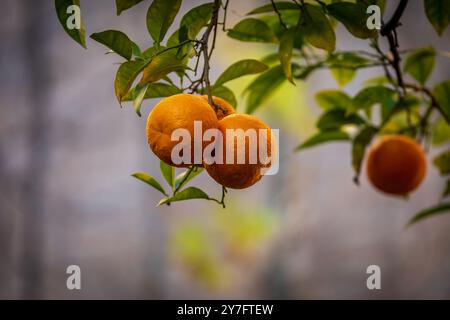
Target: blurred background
<point x="67" y="151"/>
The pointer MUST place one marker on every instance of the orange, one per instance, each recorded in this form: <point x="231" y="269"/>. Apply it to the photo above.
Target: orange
<point x="174" y="112"/>
<point x="396" y="165"/>
<point x="240" y="175"/>
<point x="224" y="108"/>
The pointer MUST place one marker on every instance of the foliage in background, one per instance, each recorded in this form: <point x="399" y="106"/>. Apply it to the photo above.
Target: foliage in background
<point x="302" y="33"/>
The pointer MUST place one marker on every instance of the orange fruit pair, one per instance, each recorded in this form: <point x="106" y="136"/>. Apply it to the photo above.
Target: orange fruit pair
<point x="181" y="110"/>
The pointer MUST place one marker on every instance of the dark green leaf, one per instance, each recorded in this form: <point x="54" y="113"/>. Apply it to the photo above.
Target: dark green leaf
<point x="252" y="30"/>
<point x="323" y="137"/>
<point x="224" y="93"/>
<point x="154" y="90"/>
<point x="441" y="132"/>
<point x="336" y="118"/>
<point x="263" y="86"/>
<point x="285" y="52"/>
<point x="442" y="162"/>
<point x="420" y="64"/>
<point x="65" y="18"/>
<point x="137" y="102"/>
<point x="442" y="94"/>
<point x="354" y="17"/>
<point x="183" y="178"/>
<point x="116" y="41"/>
<point x="125" y="77"/>
<point x="167" y="172"/>
<point x="194" y="20"/>
<point x="162" y="65"/>
<point x="438" y="13"/>
<point x="360" y="143"/>
<point x="239" y="69"/>
<point x="430" y="212"/>
<point x="282" y="5"/>
<point x="317" y="28"/>
<point x="333" y="99"/>
<point x="150" y="181"/>
<point x="122" y="5"/>
<point x="160" y="16"/>
<point x="186" y="194"/>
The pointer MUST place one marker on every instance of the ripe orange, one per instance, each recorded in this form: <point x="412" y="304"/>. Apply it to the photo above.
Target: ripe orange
<point x="236" y="175"/>
<point x="171" y="113"/>
<point x="396" y="165"/>
<point x="224" y="108"/>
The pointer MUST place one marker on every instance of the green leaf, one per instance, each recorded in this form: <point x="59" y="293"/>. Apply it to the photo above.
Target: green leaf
<point x="336" y="118"/>
<point x="285" y="52"/>
<point x="194" y="20"/>
<point x="186" y="194"/>
<point x="162" y="65"/>
<point x="167" y="172"/>
<point x="343" y="66"/>
<point x="376" y="81"/>
<point x="239" y="69"/>
<point x="224" y="93"/>
<point x="354" y="17"/>
<point x="282" y="5"/>
<point x="323" y="137"/>
<point x="141" y="91"/>
<point x="263" y="87"/>
<point x="420" y="64"/>
<point x="430" y="212"/>
<point x="160" y="16"/>
<point x="370" y="96"/>
<point x="333" y="99"/>
<point x="252" y="30"/>
<point x="360" y="143"/>
<point x="442" y="162"/>
<point x="116" y="41"/>
<point x="183" y="178"/>
<point x="438" y="13"/>
<point x="290" y="20"/>
<point x="317" y="28"/>
<point x="150" y="181"/>
<point x="125" y="77"/>
<point x="442" y="94"/>
<point x="154" y="90"/>
<point x="62" y="9"/>
<point x="441" y="132"/>
<point x="122" y="5"/>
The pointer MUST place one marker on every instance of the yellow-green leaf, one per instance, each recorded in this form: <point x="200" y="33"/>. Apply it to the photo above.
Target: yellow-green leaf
<point x="161" y="65"/>
<point x="126" y="74"/>
<point x="317" y="28"/>
<point x="420" y="63"/>
<point x="150" y="181"/>
<point x="167" y="172"/>
<point x="186" y="194"/>
<point x="285" y="52"/>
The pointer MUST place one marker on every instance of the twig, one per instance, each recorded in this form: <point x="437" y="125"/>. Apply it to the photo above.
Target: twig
<point x="278" y="14"/>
